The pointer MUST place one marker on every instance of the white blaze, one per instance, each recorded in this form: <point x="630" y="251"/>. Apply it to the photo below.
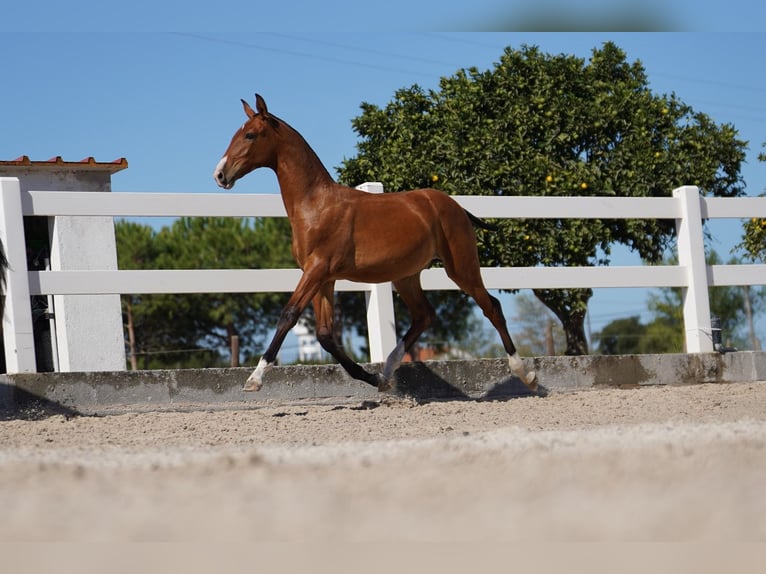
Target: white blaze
<point x="219" y="168"/>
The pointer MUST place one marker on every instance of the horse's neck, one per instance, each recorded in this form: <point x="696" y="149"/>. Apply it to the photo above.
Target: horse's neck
<point x="299" y="171"/>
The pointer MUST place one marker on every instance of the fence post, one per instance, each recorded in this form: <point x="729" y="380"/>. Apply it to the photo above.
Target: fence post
<point x="381" y="324"/>
<point x="18" y="333"/>
<point x="691" y="256"/>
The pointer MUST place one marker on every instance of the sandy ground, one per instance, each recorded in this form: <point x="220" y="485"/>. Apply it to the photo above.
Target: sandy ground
<point x="662" y="463"/>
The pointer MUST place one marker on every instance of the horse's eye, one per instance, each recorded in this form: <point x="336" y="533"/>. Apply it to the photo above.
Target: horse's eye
<point x="249" y="136"/>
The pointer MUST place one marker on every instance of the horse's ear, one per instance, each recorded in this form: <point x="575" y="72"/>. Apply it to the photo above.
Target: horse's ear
<point x="248" y="110"/>
<point x="260" y="105"/>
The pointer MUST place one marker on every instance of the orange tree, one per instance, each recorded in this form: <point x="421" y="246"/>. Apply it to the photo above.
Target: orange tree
<point x="540" y="124"/>
<point x="754" y="236"/>
<point x="754" y="239"/>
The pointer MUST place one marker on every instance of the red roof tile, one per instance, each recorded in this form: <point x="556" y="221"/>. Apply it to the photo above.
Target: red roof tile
<point x="87" y="163"/>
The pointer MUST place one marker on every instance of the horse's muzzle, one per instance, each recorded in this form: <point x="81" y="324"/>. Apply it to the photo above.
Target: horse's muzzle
<point x="220" y="175"/>
<point x="220" y="179"/>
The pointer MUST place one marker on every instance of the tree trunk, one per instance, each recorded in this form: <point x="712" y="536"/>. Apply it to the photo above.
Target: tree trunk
<point x="755" y="344"/>
<point x="574" y="329"/>
<point x="235" y="350"/>
<point x="131" y="334"/>
<point x="550" y="347"/>
<point x="233" y="344"/>
<point x="571" y="307"/>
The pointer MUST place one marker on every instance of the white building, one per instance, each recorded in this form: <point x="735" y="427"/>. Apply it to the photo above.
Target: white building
<point x="72" y="332"/>
<point x="309" y="348"/>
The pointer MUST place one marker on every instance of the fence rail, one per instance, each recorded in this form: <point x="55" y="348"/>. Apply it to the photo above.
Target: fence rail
<point x="686" y="207"/>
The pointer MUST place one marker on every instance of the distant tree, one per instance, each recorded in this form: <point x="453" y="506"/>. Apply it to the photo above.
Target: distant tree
<point x="203" y="322"/>
<point x="621" y="337"/>
<point x="540" y="124"/>
<point x="535" y="329"/>
<point x="136" y="249"/>
<point x="479" y="340"/>
<point x="726" y="303"/>
<point x="665" y="331"/>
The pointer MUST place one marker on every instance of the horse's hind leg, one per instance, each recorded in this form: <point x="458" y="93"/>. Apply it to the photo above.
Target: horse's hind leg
<point x="422" y="314"/>
<point x="324" y="309"/>
<point x="514" y="360"/>
<point x="468" y="278"/>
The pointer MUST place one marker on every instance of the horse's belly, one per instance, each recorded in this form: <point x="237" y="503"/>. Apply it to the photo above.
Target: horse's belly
<point x="387" y="264"/>
<point x="381" y="275"/>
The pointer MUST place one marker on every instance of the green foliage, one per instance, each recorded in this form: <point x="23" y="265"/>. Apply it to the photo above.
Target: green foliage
<point x="754" y="239"/>
<point x="621" y="337"/>
<point x="541" y="124"/>
<point x="191" y="330"/>
<point x="754" y="232"/>
<point x="665" y="332"/>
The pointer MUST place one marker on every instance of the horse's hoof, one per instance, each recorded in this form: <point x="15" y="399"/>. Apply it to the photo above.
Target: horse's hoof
<point x="531" y="381"/>
<point x="386" y="385"/>
<point x="252" y="384"/>
<point x="255" y="380"/>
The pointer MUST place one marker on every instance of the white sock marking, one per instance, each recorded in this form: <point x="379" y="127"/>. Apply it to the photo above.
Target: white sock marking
<point x="255" y="380"/>
<point x="515" y="362"/>
<point x="517" y="368"/>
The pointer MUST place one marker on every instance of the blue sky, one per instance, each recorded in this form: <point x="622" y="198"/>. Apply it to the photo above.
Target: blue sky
<point x="343" y="16"/>
<point x="169" y="101"/>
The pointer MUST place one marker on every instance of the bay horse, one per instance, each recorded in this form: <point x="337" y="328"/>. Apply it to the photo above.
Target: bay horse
<point x="343" y="233"/>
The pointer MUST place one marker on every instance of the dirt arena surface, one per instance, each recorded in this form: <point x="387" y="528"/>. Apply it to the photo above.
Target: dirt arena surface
<point x="649" y="464"/>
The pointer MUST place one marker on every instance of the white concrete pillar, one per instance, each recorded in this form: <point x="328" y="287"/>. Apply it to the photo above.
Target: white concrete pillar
<point x="89" y="332"/>
<point x="381" y="324"/>
<point x="691" y="256"/>
<point x="18" y="335"/>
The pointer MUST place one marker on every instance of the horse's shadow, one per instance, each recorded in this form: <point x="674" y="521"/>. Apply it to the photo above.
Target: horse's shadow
<point x="513" y="388"/>
<point x="29" y="406"/>
<point x="419" y="381"/>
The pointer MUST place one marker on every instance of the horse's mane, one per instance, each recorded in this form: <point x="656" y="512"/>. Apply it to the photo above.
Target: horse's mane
<point x="279" y="123"/>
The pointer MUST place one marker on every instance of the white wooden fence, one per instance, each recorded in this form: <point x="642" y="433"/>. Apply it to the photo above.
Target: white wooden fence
<point x="686" y="207"/>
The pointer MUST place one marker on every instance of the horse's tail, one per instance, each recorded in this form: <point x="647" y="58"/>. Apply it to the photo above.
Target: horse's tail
<point x="480" y="222"/>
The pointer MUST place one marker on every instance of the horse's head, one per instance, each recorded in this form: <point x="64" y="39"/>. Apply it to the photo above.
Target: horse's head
<point x="251" y="147"/>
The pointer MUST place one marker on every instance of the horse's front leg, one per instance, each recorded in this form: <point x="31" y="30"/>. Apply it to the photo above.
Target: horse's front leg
<point x="306" y="289"/>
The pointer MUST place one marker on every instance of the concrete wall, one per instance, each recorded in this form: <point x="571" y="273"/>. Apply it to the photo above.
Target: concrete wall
<point x="104" y="392"/>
